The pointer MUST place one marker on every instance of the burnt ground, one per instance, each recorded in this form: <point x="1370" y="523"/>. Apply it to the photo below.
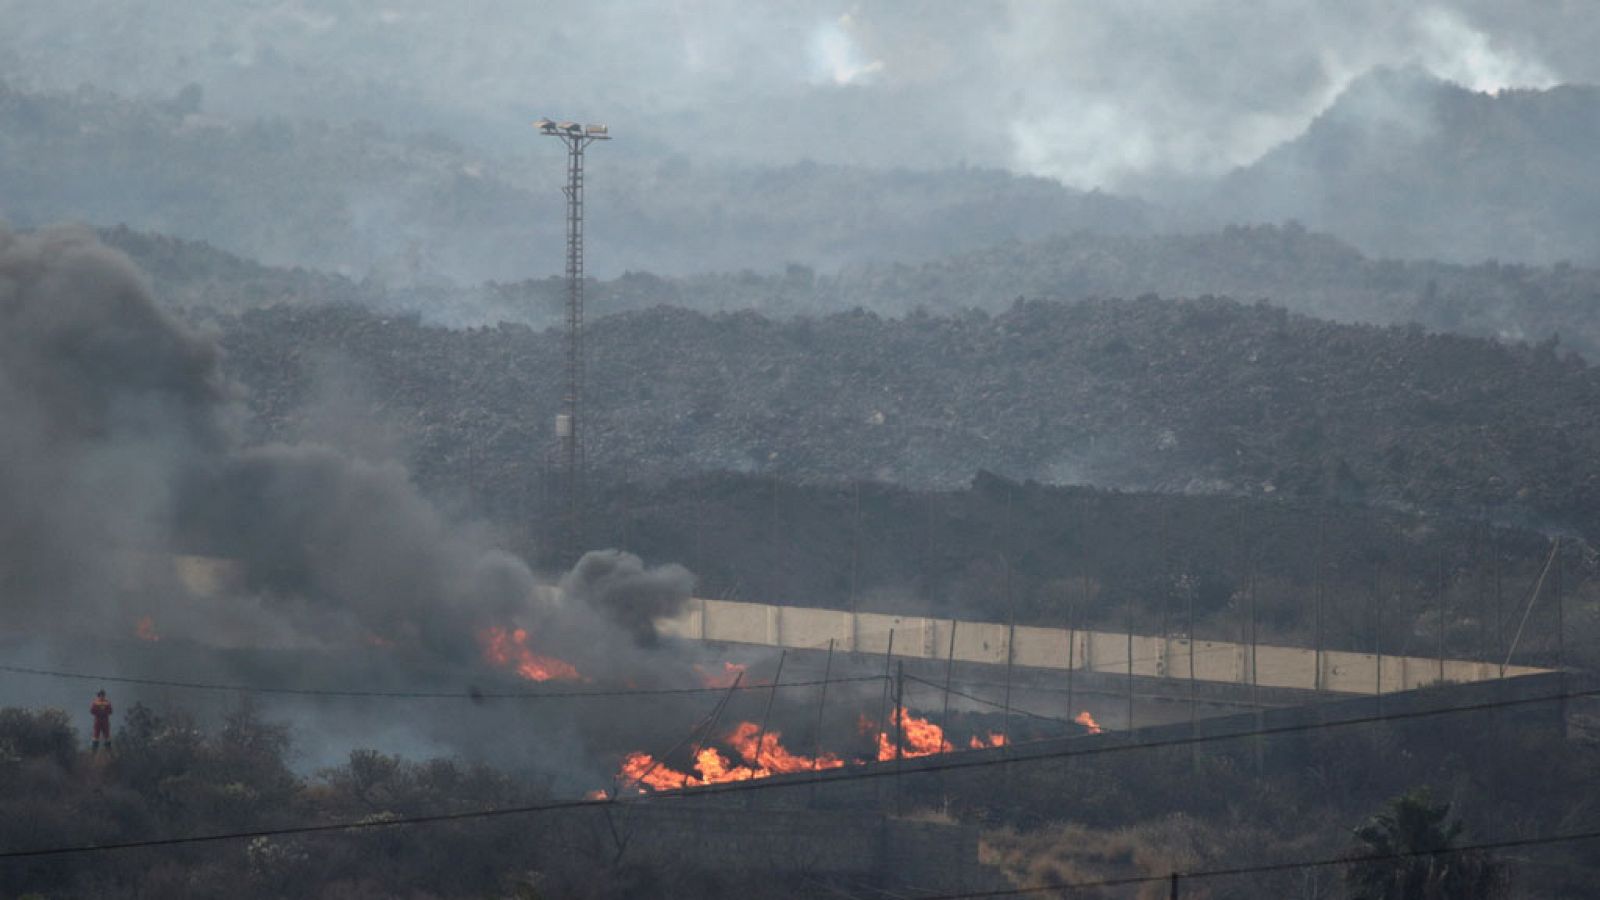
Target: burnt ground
<point x="1050" y="555"/>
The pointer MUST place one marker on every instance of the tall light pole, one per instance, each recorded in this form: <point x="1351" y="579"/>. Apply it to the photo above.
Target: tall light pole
<point x="568" y="431"/>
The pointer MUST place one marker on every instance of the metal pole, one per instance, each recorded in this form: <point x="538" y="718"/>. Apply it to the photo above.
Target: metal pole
<point x="855" y="544"/>
<point x="899" y="731"/>
<point x="1377" y="631"/>
<point x="1254" y="680"/>
<point x="571" y="434"/>
<point x="716" y="715"/>
<point x="1194" y="697"/>
<point x="1499" y="599"/>
<point x="899" y="707"/>
<point x="888" y="662"/>
<point x="1443" y="589"/>
<point x="1560" y="612"/>
<point x="822" y="704"/>
<point x="1128" y="614"/>
<point x="1011" y="642"/>
<point x="1316" y="594"/>
<point x="949" y="674"/>
<point x="1173" y="894"/>
<point x="772" y="695"/>
<point x="1072" y="644"/>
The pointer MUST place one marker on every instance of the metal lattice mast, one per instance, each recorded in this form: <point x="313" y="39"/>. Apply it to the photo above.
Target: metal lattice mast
<point x="569" y="421"/>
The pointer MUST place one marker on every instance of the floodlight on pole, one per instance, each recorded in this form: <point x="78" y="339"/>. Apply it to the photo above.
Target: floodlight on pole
<point x="569" y="430"/>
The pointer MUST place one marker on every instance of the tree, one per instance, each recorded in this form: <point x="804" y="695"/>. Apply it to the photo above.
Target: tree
<point x="1409" y="856"/>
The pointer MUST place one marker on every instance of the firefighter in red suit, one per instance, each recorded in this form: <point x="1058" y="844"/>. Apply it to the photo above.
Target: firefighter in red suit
<point x="100" y="709"/>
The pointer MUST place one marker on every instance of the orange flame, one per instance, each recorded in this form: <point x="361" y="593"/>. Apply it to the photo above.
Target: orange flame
<point x="772" y="756"/>
<point x="508" y="649"/>
<point x="920" y="737"/>
<point x="1088" y="722"/>
<point x="642" y="769"/>
<point x="145" y="629"/>
<point x="979" y="742"/>
<point x="596" y="794"/>
<point x="711" y="767"/>
<point x="713" y="679"/>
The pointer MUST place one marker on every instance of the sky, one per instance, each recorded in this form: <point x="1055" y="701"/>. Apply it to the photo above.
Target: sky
<point x="1093" y="94"/>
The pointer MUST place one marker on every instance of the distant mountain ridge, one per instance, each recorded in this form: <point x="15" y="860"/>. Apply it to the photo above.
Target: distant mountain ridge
<point x="1403" y="165"/>
<point x="357" y="199"/>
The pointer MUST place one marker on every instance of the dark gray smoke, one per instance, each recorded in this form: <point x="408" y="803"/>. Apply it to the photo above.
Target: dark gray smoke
<point x="620" y="587"/>
<point x="113" y="426"/>
<point x="104" y="402"/>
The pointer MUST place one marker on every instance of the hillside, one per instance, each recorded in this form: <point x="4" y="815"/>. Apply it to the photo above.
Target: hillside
<point x="407" y="209"/>
<point x="1404" y="165"/>
<point x="1206" y="395"/>
<point x="1304" y="271"/>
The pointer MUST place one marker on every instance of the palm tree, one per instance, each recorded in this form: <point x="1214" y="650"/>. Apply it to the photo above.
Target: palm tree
<point x="1404" y="849"/>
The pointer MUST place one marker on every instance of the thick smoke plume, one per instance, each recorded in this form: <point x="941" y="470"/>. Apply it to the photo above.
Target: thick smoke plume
<point x="114" y="424"/>
<point x="618" y="585"/>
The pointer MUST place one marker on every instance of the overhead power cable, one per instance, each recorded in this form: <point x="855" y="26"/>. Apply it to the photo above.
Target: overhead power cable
<point x="1008" y="755"/>
<point x="1269" y="868"/>
<point x="987" y="702"/>
<point x="418" y="695"/>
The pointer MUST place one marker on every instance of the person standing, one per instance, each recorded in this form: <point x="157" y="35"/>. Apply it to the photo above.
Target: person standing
<point x="100" y="709"/>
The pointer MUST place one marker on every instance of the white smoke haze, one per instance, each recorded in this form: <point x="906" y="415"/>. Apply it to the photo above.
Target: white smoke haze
<point x="1097" y="95"/>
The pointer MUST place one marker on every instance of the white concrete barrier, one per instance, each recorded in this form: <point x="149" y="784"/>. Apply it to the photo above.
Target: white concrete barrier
<point x="995" y="643"/>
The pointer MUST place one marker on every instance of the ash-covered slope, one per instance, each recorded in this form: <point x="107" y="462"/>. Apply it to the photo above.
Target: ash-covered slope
<point x="1304" y="271"/>
<point x="1200" y="395"/>
<point x="1406" y="165"/>
<point x="1307" y="272"/>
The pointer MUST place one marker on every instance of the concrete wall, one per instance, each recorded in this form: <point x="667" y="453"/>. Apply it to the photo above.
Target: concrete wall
<point x="918" y="637"/>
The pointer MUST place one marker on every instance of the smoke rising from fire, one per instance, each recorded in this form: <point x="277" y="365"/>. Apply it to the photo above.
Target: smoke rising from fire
<point x="115" y="425"/>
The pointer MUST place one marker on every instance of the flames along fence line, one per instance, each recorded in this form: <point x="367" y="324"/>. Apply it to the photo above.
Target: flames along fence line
<point x="1103" y="652"/>
<point x="973" y="761"/>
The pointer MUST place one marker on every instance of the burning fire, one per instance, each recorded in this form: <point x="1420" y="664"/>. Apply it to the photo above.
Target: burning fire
<point x="145" y="629"/>
<point x="711" y="767"/>
<point x="714" y="679"/>
<point x="994" y="739"/>
<point x="772" y="757"/>
<point x="508" y="649"/>
<point x="920" y="737"/>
